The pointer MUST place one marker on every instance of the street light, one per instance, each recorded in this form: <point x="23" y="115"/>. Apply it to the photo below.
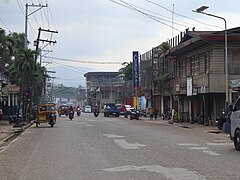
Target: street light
<point x="200" y="10"/>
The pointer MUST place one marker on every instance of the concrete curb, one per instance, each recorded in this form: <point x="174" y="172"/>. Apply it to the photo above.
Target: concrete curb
<point x="13" y="133"/>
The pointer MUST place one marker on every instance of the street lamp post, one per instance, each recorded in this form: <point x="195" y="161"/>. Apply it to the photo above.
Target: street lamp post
<point x="226" y="126"/>
<point x="200" y="10"/>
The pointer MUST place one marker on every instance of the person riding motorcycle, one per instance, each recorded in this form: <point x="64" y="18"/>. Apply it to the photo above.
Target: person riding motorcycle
<point x="71" y="112"/>
<point x="96" y="111"/>
<point x="78" y="109"/>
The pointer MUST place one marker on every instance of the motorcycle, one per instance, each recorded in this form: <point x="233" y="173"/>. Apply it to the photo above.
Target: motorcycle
<point x="71" y="115"/>
<point x="96" y="112"/>
<point x="134" y="114"/>
<point x="78" y="112"/>
<point x="166" y="115"/>
<point x="221" y="120"/>
<point x="16" y="120"/>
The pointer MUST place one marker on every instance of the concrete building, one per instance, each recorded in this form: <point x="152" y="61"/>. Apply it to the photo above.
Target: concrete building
<point x="104" y="87"/>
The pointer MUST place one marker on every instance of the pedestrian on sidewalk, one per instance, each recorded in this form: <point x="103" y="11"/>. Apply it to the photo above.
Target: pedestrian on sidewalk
<point x="151" y="111"/>
<point x="155" y="113"/>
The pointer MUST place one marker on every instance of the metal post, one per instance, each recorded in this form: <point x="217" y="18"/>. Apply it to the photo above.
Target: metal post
<point x="200" y="10"/>
<point x="25" y="35"/>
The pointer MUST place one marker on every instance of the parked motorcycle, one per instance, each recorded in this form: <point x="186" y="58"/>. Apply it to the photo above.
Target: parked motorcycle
<point x="166" y="115"/>
<point x="221" y="120"/>
<point x="71" y="115"/>
<point x="16" y="120"/>
<point x="134" y="114"/>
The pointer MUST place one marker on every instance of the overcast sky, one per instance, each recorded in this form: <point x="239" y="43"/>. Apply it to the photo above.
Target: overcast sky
<point x="94" y="32"/>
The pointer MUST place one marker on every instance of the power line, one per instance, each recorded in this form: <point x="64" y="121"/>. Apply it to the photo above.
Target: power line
<point x="141" y="12"/>
<point x="69" y="67"/>
<point x="5" y="25"/>
<point x="170" y="18"/>
<point x="81" y="61"/>
<point x="181" y="14"/>
<point x="21" y="7"/>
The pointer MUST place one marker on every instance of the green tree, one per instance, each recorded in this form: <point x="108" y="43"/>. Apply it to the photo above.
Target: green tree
<point x="6" y="49"/>
<point x="25" y="72"/>
<point x="127" y="71"/>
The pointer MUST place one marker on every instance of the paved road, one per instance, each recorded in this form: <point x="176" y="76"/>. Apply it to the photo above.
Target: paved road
<point x="101" y="148"/>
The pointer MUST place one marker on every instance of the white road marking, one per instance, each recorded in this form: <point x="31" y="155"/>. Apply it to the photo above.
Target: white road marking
<point x="188" y="144"/>
<point x="169" y="173"/>
<point x="213" y="153"/>
<point x="198" y="148"/>
<point x="113" y="136"/>
<point x="126" y="145"/>
<point x="223" y="140"/>
<point x="89" y="125"/>
<point x="205" y="150"/>
<point x="220" y="144"/>
<point x="79" y="122"/>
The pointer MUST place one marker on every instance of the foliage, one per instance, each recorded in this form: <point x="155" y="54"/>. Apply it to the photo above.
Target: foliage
<point x="163" y="80"/>
<point x="164" y="47"/>
<point x="127" y="71"/>
<point x="64" y="92"/>
<point x="6" y="49"/>
<point x="20" y="65"/>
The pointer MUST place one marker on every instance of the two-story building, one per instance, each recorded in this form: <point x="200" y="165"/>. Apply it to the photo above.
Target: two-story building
<point x="197" y="83"/>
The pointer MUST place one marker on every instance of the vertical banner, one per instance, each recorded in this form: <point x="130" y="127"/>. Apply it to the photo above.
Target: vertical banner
<point x="189" y="86"/>
<point x="135" y="70"/>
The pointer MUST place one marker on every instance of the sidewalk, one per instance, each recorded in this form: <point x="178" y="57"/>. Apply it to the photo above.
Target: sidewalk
<point x="198" y="127"/>
<point x="7" y="131"/>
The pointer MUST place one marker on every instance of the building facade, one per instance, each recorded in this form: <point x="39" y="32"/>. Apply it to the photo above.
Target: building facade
<point x="104" y="87"/>
<point x="191" y="75"/>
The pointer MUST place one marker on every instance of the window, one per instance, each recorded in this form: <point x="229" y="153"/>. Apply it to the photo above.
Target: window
<point x="182" y="68"/>
<point x="237" y="106"/>
<point x="105" y="95"/>
<point x="195" y="65"/>
<point x="207" y="61"/>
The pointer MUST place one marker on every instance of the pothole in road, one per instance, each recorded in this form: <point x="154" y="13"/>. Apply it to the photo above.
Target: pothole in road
<point x="184" y="127"/>
<point x="215" y="132"/>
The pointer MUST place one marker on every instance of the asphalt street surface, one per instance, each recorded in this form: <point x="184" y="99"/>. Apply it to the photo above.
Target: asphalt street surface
<point x="109" y="148"/>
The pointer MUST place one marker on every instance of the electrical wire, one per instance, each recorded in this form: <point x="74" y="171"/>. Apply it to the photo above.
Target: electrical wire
<point x="20" y="6"/>
<point x="72" y="68"/>
<point x="181" y="14"/>
<point x="5" y="25"/>
<point x="170" y="18"/>
<point x="50" y="12"/>
<point x="81" y="61"/>
<point x="141" y="12"/>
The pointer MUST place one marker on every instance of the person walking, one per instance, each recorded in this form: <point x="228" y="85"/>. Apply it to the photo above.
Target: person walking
<point x="151" y="111"/>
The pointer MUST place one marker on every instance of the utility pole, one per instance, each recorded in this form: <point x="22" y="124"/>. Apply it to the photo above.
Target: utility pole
<point x="43" y="40"/>
<point x="26" y="18"/>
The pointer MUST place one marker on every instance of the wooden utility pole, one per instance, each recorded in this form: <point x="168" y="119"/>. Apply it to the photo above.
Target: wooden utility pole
<point x="43" y="40"/>
<point x="26" y="18"/>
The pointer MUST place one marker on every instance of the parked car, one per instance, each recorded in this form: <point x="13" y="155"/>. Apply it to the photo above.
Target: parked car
<point x="87" y="109"/>
<point x="111" y="109"/>
<point x="122" y="108"/>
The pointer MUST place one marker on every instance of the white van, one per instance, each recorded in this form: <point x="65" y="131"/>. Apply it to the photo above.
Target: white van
<point x="87" y="109"/>
<point x="235" y="123"/>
